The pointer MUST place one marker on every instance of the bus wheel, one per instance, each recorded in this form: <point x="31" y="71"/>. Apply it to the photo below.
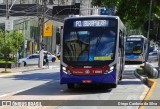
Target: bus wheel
<point x="114" y="85"/>
<point x="53" y="59"/>
<point x="70" y="86"/>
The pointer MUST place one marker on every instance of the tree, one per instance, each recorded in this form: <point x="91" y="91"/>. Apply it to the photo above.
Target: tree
<point x="132" y="12"/>
<point x="17" y="41"/>
<point x="10" y="42"/>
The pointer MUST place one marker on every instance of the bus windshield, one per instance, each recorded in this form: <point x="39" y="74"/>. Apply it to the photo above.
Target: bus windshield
<point x="89" y="44"/>
<point x="134" y="47"/>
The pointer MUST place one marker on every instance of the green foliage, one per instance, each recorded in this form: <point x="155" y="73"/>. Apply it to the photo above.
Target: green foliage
<point x="3" y="61"/>
<point x="10" y="42"/>
<point x="132" y="12"/>
<point x="17" y="40"/>
<point x="6" y="44"/>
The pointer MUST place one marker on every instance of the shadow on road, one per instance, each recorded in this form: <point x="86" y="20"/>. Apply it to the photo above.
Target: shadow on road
<point x="54" y="88"/>
<point x="37" y="76"/>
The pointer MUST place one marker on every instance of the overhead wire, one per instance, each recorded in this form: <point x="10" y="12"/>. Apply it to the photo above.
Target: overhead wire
<point x="32" y="9"/>
<point x="23" y="11"/>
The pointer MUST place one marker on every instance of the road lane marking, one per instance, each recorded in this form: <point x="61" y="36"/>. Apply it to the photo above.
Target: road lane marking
<point x="153" y="85"/>
<point x="12" y="93"/>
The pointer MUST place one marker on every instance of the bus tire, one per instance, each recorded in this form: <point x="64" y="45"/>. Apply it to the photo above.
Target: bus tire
<point x="70" y="86"/>
<point x="53" y="59"/>
<point x="114" y="85"/>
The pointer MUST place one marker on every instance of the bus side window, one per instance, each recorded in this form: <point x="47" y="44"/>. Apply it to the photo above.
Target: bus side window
<point x="120" y="39"/>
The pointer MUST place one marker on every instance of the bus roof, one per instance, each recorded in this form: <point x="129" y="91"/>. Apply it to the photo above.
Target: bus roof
<point x="97" y="16"/>
<point x="137" y="36"/>
<point x="92" y="16"/>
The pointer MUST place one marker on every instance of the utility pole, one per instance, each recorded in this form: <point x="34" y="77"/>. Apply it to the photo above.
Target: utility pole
<point x="148" y="30"/>
<point x="7" y="10"/>
<point x="158" y="39"/>
<point x="41" y="45"/>
<point x="158" y="35"/>
<point x="8" y="23"/>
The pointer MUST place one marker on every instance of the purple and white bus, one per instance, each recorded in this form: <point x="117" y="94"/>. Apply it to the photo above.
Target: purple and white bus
<point x="92" y="50"/>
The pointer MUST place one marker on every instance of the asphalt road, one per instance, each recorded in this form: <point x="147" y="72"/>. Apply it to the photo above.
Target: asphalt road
<point x="44" y="85"/>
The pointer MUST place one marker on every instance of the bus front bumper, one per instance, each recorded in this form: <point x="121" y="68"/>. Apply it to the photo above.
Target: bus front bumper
<point x="104" y="78"/>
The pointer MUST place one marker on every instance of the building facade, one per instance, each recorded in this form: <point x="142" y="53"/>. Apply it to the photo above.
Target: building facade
<point x="30" y="25"/>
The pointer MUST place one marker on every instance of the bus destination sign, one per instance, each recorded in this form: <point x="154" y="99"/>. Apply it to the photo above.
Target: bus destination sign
<point x="91" y="23"/>
<point x="134" y="39"/>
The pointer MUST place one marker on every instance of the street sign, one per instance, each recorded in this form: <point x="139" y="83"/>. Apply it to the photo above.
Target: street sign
<point x="9" y="25"/>
<point x="47" y="30"/>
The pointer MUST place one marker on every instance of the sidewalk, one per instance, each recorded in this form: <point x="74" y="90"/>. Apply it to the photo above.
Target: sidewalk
<point x="154" y="92"/>
<point x="19" y="70"/>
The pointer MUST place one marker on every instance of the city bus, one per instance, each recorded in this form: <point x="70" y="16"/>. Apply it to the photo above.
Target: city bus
<point x="136" y="48"/>
<point x="92" y="50"/>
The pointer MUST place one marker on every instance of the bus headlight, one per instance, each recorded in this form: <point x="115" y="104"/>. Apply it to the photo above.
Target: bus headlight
<point x="66" y="71"/>
<point x="64" y="68"/>
<point x="109" y="70"/>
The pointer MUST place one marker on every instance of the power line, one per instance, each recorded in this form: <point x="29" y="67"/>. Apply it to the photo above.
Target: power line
<point x="33" y="8"/>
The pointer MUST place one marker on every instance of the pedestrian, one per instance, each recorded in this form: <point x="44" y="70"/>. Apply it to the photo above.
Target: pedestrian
<point x="46" y="59"/>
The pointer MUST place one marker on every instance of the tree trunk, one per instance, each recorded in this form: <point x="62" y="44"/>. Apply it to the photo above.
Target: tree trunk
<point x="16" y="58"/>
<point x="6" y="61"/>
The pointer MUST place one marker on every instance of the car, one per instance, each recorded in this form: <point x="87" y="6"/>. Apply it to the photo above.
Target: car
<point x="34" y="58"/>
<point x="51" y="57"/>
<point x="30" y="60"/>
<point x="153" y="56"/>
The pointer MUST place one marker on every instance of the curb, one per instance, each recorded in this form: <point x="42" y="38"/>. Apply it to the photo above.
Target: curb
<point x="151" y="83"/>
<point x="20" y="72"/>
<point x="12" y="74"/>
<point x="143" y="78"/>
<point x="34" y="69"/>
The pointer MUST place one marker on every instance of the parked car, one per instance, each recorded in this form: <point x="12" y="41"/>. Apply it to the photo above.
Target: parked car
<point x="153" y="56"/>
<point x="51" y="57"/>
<point x="34" y="58"/>
<point x="30" y="60"/>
